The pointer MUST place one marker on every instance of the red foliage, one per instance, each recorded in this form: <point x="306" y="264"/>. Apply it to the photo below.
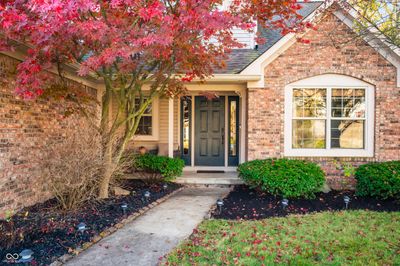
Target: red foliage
<point x="128" y="36"/>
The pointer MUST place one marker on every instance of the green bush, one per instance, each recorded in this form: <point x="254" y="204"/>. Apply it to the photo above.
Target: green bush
<point x="380" y="180"/>
<point x="168" y="168"/>
<point x="284" y="177"/>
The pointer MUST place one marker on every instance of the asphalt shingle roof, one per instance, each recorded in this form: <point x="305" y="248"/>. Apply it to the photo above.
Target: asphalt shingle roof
<point x="239" y="59"/>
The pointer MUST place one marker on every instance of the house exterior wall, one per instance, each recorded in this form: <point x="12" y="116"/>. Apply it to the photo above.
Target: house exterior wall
<point x="26" y="129"/>
<point x="162" y="135"/>
<point x="333" y="49"/>
<point x="161" y="142"/>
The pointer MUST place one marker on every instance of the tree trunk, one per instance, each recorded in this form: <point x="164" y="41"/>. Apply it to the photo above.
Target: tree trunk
<point x="112" y="154"/>
<point x="105" y="183"/>
<point x="108" y="170"/>
<point x="107" y="150"/>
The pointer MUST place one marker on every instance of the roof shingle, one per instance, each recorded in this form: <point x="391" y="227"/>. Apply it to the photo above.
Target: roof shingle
<point x="239" y="59"/>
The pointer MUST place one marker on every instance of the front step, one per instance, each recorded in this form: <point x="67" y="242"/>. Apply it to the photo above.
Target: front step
<point x="214" y="179"/>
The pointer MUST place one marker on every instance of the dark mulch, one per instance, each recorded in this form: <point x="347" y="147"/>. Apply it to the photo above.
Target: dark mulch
<point x="51" y="233"/>
<point x="249" y="204"/>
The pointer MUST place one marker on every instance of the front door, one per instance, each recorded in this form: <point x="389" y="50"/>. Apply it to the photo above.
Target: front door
<point x="209" y="131"/>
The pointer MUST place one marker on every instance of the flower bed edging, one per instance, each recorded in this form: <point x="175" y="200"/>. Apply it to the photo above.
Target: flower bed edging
<point x="63" y="259"/>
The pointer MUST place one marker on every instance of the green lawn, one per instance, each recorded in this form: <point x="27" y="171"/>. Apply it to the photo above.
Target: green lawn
<point x="329" y="238"/>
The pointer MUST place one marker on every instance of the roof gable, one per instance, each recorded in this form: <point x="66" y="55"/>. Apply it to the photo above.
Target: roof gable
<point x="239" y="59"/>
<point x="271" y="52"/>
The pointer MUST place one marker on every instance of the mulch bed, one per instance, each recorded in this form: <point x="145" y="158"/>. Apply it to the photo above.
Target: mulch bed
<point x="248" y="204"/>
<point x="51" y="233"/>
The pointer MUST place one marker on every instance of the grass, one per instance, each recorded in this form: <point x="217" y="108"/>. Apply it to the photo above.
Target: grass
<point x="328" y="238"/>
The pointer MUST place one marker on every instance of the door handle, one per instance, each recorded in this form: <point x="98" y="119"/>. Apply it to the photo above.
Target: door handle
<point x="223" y="136"/>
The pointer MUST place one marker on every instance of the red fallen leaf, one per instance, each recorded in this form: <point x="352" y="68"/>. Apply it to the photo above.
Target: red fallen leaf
<point x="278" y="243"/>
<point x="264" y="248"/>
<point x="238" y="255"/>
<point x="257" y="241"/>
<point x="195" y="231"/>
<point x="248" y="254"/>
<point x="196" y="254"/>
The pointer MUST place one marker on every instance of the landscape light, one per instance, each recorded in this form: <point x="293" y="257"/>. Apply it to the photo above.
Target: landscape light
<point x="346" y="200"/>
<point x="81" y="227"/>
<point x="26" y="256"/>
<point x="124" y="206"/>
<point x="165" y="186"/>
<point x="285" y="203"/>
<point x="220" y="203"/>
<point x="146" y="195"/>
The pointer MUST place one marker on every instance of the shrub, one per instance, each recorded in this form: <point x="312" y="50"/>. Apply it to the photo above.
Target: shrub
<point x="158" y="166"/>
<point x="72" y="168"/>
<point x="289" y="178"/>
<point x="380" y="180"/>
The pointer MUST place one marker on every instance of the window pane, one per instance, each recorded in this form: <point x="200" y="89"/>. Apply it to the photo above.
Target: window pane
<point x="298" y="103"/>
<point x="144" y="127"/>
<point x="348" y="103"/>
<point x="309" y="102"/>
<point x="148" y="109"/>
<point x="232" y="129"/>
<point x="309" y="134"/>
<point x="347" y="134"/>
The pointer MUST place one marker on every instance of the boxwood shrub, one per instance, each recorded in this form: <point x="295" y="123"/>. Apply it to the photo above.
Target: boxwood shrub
<point x="166" y="167"/>
<point x="380" y="180"/>
<point x="283" y="177"/>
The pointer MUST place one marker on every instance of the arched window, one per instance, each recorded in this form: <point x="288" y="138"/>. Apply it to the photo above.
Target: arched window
<point x="329" y="115"/>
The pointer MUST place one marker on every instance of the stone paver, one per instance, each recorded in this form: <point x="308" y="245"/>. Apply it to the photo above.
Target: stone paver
<point x="143" y="241"/>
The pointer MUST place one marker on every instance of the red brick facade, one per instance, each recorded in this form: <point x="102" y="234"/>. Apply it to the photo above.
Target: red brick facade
<point x="26" y="128"/>
<point x="334" y="50"/>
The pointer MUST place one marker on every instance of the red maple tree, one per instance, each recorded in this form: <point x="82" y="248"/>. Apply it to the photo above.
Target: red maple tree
<point x="130" y="43"/>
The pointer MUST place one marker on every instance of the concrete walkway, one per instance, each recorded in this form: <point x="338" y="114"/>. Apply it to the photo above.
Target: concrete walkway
<point x="154" y="234"/>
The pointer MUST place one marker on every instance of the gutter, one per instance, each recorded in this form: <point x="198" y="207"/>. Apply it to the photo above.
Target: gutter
<point x="234" y="78"/>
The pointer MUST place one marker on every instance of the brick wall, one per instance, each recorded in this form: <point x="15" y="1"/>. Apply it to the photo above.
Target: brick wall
<point x="26" y="128"/>
<point x="334" y="48"/>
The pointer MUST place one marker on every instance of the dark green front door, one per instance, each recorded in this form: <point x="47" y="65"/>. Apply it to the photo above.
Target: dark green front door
<point x="209" y="131"/>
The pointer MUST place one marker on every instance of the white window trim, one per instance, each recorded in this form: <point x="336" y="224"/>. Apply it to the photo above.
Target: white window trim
<point x="154" y="124"/>
<point x="331" y="81"/>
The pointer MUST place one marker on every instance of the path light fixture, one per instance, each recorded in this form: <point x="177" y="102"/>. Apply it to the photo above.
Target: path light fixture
<point x="220" y="203"/>
<point x="346" y="200"/>
<point x="146" y="195"/>
<point x="26" y="256"/>
<point x="81" y="227"/>
<point x="285" y="203"/>
<point x="165" y="186"/>
<point x="124" y="206"/>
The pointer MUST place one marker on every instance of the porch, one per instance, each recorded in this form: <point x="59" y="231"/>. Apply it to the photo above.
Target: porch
<point x="213" y="179"/>
<point x="208" y="133"/>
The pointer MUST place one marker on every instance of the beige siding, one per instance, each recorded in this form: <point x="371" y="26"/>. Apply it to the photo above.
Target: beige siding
<point x="162" y="121"/>
<point x="161" y="143"/>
